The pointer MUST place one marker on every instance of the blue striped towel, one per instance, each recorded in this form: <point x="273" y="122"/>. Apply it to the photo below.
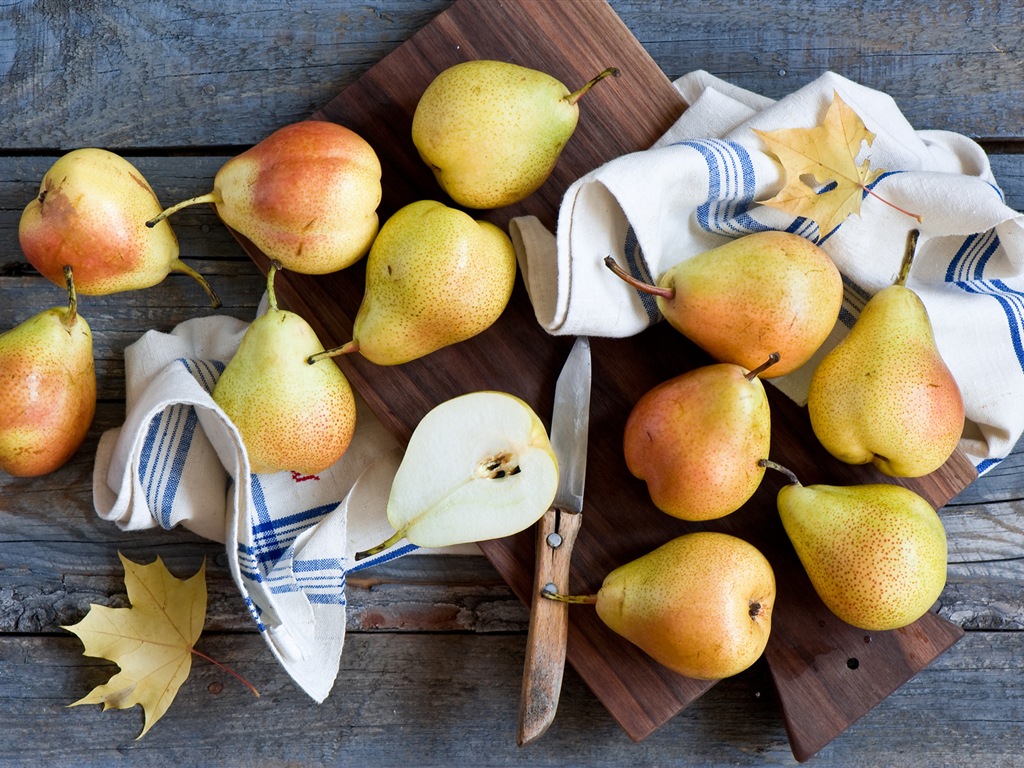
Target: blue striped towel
<point x="698" y="186"/>
<point x="289" y="538"/>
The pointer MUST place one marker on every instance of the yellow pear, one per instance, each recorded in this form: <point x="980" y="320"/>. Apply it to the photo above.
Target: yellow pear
<point x="434" y="277"/>
<point x="306" y="196"/>
<point x="90" y="214"/>
<point x="875" y="553"/>
<point x="760" y="293"/>
<point x="291" y="414"/>
<point x="696" y="440"/>
<point x="492" y="131"/>
<point x="700" y="604"/>
<point x="47" y="389"/>
<point x="884" y="394"/>
<point x="478" y="466"/>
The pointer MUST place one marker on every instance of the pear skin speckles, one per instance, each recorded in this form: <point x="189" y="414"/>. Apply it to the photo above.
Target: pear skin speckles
<point x="884" y="395"/>
<point x="291" y="415"/>
<point x="696" y="440"/>
<point x="492" y="131"/>
<point x="875" y="553"/>
<point x="700" y="604"/>
<point x="434" y="277"/>
<point x="761" y="293"/>
<point x="47" y="392"/>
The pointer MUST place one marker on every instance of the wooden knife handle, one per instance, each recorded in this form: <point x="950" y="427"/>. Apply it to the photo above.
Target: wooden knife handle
<point x="549" y="625"/>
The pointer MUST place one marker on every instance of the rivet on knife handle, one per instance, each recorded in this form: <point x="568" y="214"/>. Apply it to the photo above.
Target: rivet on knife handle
<point x="549" y="626"/>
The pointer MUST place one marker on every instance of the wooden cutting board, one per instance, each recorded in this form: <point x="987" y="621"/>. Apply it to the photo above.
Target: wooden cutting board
<point x="827" y="673"/>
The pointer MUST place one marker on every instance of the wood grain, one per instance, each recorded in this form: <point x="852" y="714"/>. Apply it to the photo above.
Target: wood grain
<point x="215" y="79"/>
<point x="549" y="624"/>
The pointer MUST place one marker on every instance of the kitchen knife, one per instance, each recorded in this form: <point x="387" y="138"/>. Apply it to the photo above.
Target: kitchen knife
<point x="556" y="534"/>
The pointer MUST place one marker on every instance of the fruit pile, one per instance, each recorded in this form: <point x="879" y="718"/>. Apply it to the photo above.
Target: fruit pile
<point x="761" y="306"/>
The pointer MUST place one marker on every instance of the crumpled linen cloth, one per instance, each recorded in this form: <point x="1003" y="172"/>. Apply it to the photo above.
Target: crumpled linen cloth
<point x="699" y="184"/>
<point x="289" y="538"/>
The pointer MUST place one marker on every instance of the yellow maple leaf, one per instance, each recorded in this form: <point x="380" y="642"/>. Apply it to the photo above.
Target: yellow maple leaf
<point x="824" y="181"/>
<point x="152" y="641"/>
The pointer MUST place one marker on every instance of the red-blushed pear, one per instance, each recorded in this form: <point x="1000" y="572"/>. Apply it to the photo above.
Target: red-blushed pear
<point x="696" y="440"/>
<point x="492" y="131"/>
<point x="478" y="466"/>
<point x="757" y="294"/>
<point x="875" y="553"/>
<point x="90" y="214"/>
<point x="434" y="277"/>
<point x="700" y="604"/>
<point x="47" y="389"/>
<point x="292" y="415"/>
<point x="306" y="196"/>
<point x="884" y="395"/>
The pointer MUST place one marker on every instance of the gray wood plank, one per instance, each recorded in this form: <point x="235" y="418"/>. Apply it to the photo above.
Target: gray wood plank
<point x="204" y="73"/>
<point x="441" y="700"/>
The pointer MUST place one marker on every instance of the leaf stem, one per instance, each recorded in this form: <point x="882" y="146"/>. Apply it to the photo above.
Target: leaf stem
<point x="229" y="670"/>
<point x="916" y="217"/>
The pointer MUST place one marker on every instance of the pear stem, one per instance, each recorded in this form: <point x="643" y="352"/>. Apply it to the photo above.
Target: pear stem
<point x="271" y="295"/>
<point x="769" y="464"/>
<point x="572" y="599"/>
<point x="72" y="315"/>
<point x="640" y="285"/>
<point x="180" y="266"/>
<point x="345" y="349"/>
<point x="908" y="256"/>
<point x="210" y="197"/>
<point x="397" y="537"/>
<point x="573" y="97"/>
<point x="773" y="358"/>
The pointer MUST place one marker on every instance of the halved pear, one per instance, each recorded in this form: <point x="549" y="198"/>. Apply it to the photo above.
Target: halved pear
<point x="478" y="466"/>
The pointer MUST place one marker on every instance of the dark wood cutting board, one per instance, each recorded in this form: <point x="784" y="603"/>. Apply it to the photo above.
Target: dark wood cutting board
<point x="827" y="673"/>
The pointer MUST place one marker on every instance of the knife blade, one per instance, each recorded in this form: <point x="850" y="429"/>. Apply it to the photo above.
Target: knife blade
<point x="556" y="535"/>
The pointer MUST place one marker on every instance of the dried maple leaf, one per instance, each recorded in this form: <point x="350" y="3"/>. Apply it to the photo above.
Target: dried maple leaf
<point x="151" y="641"/>
<point x="824" y="181"/>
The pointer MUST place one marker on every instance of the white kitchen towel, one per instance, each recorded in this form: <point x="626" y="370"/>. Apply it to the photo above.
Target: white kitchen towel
<point x="289" y="538"/>
<point x="699" y="186"/>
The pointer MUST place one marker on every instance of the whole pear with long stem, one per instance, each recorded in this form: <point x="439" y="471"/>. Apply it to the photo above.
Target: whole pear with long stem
<point x="90" y="214"/>
<point x="492" y="131"/>
<point x="884" y="394"/>
<point x="700" y="604"/>
<point x="47" y="389"/>
<point x="291" y="414"/>
<point x="875" y="553"/>
<point x="306" y="196"/>
<point x="757" y="294"/>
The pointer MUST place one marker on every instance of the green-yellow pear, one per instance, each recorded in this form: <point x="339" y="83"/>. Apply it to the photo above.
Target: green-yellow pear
<point x="875" y="553"/>
<point x="306" y="196"/>
<point x="47" y="389"/>
<point x="760" y="293"/>
<point x="492" y="131"/>
<point x="90" y="214"/>
<point x="478" y="466"/>
<point x="696" y="440"/>
<point x="700" y="604"/>
<point x="291" y="414"/>
<point x="434" y="277"/>
<point x="884" y="394"/>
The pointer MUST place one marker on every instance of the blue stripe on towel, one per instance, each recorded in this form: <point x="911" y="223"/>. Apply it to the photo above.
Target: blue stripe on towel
<point x="966" y="270"/>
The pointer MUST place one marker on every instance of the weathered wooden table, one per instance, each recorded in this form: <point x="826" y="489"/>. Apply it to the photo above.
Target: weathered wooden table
<point x="432" y="663"/>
